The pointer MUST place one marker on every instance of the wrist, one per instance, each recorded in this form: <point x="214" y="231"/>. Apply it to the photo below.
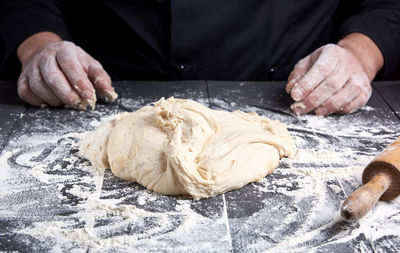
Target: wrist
<point x="34" y="44"/>
<point x="366" y="51"/>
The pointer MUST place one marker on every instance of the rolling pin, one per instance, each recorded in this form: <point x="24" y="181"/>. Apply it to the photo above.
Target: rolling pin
<point x="381" y="180"/>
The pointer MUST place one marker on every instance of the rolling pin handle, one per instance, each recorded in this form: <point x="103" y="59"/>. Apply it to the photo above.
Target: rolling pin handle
<point x="364" y="198"/>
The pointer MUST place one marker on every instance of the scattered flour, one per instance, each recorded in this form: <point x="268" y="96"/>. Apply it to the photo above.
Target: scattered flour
<point x="110" y="216"/>
<point x="312" y="155"/>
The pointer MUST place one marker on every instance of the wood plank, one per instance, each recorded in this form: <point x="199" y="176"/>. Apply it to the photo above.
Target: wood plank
<point x="45" y="186"/>
<point x="11" y="109"/>
<point x="390" y="91"/>
<point x="40" y="173"/>
<point x="139" y="93"/>
<point x="297" y="206"/>
<point x="163" y="217"/>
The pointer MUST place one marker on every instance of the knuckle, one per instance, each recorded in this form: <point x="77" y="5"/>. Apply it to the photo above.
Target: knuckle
<point x="303" y="86"/>
<point x="333" y="84"/>
<point x="322" y="68"/>
<point x="66" y="44"/>
<point x="37" y="59"/>
<point x="312" y="101"/>
<point x="351" y="60"/>
<point x="35" y="86"/>
<point x="49" y="72"/>
<point x="291" y="76"/>
<point x="45" y="62"/>
<point x="53" y="47"/>
<point x="367" y="88"/>
<point x="364" y="97"/>
<point x="369" y="92"/>
<point x="80" y="50"/>
<point x="96" y="65"/>
<point x="357" y="87"/>
<point x="22" y="91"/>
<point x="21" y="79"/>
<point x="330" y="48"/>
<point x="68" y="63"/>
<point x="82" y="85"/>
<point x="80" y="81"/>
<point x="331" y="105"/>
<point x="301" y="64"/>
<point x="82" y="54"/>
<point x="295" y="74"/>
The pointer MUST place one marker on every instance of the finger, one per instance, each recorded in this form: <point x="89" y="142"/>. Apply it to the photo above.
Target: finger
<point x="26" y="94"/>
<point x="70" y="65"/>
<point x="353" y="106"/>
<point x="332" y="84"/>
<point x="322" y="67"/>
<point x="343" y="97"/>
<point x="300" y="69"/>
<point x="357" y="102"/>
<point x="98" y="76"/>
<point x="40" y="88"/>
<point x="101" y="81"/>
<point x="57" y="82"/>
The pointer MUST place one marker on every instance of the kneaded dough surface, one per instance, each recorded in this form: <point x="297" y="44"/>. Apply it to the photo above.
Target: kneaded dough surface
<point x="180" y="147"/>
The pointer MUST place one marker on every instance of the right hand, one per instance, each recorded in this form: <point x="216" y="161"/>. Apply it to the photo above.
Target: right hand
<point x="61" y="73"/>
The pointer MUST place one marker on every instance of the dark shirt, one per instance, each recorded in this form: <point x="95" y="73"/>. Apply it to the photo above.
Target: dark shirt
<point x="200" y="39"/>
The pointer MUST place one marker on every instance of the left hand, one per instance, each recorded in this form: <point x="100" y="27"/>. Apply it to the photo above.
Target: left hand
<point x="330" y="80"/>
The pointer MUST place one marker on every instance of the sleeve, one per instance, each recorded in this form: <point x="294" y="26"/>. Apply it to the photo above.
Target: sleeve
<point x="380" y="21"/>
<point x="20" y="19"/>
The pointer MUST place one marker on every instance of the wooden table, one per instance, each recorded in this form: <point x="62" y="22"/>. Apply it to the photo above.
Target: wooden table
<point x="52" y="200"/>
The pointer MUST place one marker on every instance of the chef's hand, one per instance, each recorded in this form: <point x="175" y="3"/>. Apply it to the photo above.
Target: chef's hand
<point x="335" y="78"/>
<point x="56" y="72"/>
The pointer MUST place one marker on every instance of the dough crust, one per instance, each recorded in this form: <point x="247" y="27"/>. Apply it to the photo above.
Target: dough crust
<point x="180" y="147"/>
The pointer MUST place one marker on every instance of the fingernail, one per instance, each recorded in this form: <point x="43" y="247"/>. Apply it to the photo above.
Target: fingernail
<point x="298" y="108"/>
<point x="77" y="106"/>
<point x="296" y="94"/>
<point x="90" y="102"/>
<point x="110" y="95"/>
<point x="81" y="106"/>
<point x="321" y="111"/>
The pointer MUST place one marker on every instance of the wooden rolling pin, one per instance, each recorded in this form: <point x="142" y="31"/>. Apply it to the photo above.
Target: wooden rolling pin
<point x="381" y="179"/>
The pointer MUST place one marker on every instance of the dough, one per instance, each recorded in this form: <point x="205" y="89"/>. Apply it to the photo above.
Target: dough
<point x="180" y="147"/>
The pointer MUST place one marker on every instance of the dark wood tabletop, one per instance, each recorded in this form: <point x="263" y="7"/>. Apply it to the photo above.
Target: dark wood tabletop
<point x="52" y="200"/>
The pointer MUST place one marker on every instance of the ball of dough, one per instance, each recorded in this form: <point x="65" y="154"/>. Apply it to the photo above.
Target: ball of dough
<point x="180" y="147"/>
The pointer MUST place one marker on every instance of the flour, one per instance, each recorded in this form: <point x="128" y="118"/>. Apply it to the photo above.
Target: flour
<point x="97" y="123"/>
<point x="319" y="178"/>
<point x="131" y="104"/>
<point x="312" y="155"/>
<point x="38" y="172"/>
<point x="67" y="205"/>
<point x="141" y="201"/>
<point x="69" y="234"/>
<point x="5" y="173"/>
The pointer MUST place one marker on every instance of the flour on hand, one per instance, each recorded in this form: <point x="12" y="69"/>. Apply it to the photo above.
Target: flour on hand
<point x="180" y="147"/>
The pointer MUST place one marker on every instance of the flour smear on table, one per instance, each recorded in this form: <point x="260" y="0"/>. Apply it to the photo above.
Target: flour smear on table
<point x="89" y="211"/>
